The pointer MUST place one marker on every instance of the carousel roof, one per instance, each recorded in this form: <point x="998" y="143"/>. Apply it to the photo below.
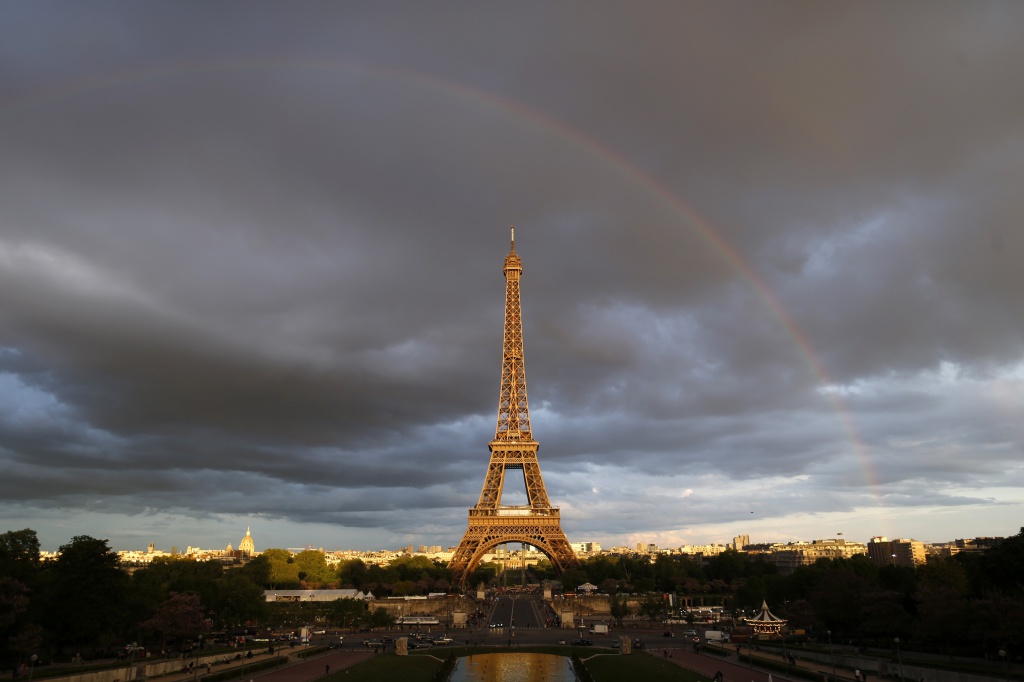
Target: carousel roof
<point x="765" y="616"/>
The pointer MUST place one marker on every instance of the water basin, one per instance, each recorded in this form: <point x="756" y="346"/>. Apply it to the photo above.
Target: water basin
<point x="513" y="667"/>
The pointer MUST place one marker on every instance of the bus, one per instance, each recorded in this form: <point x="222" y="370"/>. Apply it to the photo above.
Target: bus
<point x="418" y="620"/>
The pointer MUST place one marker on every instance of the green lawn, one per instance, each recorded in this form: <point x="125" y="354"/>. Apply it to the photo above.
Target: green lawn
<point x="389" y="669"/>
<point x="640" y="666"/>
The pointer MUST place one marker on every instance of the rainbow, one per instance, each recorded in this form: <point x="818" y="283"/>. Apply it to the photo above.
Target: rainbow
<point x="730" y="255"/>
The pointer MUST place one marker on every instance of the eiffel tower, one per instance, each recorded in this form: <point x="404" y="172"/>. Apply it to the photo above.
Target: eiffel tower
<point x="490" y="522"/>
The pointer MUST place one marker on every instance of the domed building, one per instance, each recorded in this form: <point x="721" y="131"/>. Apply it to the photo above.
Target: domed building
<point x="246" y="546"/>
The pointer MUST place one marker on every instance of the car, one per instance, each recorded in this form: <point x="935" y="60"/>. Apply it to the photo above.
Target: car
<point x="561" y="641"/>
<point x="690" y="633"/>
<point x="582" y="642"/>
<point x="442" y="640"/>
<point x="319" y="632"/>
<point x="668" y="634"/>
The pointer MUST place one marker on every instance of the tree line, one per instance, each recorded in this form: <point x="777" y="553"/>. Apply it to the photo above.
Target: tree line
<point x="85" y="602"/>
<point x="970" y="604"/>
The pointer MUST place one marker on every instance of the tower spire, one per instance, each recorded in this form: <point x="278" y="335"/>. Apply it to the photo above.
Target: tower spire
<point x="513" y="408"/>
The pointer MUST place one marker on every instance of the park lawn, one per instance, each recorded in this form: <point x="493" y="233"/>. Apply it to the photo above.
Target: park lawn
<point x="557" y="650"/>
<point x="638" y="666"/>
<point x="389" y="669"/>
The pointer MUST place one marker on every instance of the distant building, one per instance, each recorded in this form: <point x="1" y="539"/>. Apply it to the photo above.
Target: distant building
<point x="586" y="548"/>
<point x="703" y="550"/>
<point x="899" y="552"/>
<point x="791" y="556"/>
<point x="740" y="541"/>
<point x="315" y="595"/>
<point x="970" y="546"/>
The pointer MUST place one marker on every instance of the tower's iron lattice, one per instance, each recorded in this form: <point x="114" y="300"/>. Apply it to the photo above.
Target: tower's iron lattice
<point x="536" y="523"/>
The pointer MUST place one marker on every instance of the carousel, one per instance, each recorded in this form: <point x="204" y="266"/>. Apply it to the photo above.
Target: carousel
<point x="766" y="624"/>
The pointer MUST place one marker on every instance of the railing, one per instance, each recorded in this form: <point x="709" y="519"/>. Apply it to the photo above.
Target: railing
<point x="515" y="511"/>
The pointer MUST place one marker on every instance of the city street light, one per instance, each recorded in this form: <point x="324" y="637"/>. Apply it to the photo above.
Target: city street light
<point x="32" y="669"/>
<point x="1006" y="664"/>
<point x="195" y="674"/>
<point x="831" y="654"/>
<point x="899" y="657"/>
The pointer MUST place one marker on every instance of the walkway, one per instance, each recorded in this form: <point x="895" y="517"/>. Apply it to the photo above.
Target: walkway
<point x="735" y="671"/>
<point x="292" y="669"/>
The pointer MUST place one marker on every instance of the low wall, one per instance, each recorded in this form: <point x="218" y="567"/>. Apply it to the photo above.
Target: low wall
<point x="124" y="674"/>
<point x="442" y="608"/>
<point x="885" y="668"/>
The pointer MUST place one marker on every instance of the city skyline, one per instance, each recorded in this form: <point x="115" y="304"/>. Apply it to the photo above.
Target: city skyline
<point x="250" y="268"/>
<point x="604" y="545"/>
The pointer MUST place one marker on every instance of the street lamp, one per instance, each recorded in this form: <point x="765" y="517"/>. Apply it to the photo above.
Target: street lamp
<point x="195" y="674"/>
<point x="785" y="654"/>
<point x="131" y="662"/>
<point x="831" y="654"/>
<point x="1006" y="664"/>
<point x="32" y="669"/>
<point x="899" y="657"/>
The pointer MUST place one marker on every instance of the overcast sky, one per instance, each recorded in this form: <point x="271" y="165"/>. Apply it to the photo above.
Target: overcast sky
<point x="251" y="268"/>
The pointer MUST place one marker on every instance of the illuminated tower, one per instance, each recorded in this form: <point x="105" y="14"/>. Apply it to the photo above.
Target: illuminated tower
<point x="491" y="523"/>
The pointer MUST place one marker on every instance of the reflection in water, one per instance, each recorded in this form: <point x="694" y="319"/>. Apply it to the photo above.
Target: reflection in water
<point x="513" y="668"/>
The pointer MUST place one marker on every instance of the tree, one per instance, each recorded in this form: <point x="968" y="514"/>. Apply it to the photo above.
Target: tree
<point x="347" y="612"/>
<point x="352" y="572"/>
<point x="86" y="603"/>
<point x="313" y="569"/>
<point x="1003" y="566"/>
<point x="883" y="616"/>
<point x="19" y="578"/>
<point x="238" y="599"/>
<point x="380" y="618"/>
<point x="653" y="607"/>
<point x="181" y="617"/>
<point x="13" y="600"/>
<point x="19" y="555"/>
<point x="284" y="572"/>
<point x="838" y="600"/>
<point x="619" y="608"/>
<point x="413" y="567"/>
<point x="403" y="588"/>
<point x="572" y="578"/>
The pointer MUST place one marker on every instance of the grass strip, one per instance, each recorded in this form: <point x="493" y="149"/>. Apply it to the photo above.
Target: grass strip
<point x="389" y="669"/>
<point x="639" y="666"/>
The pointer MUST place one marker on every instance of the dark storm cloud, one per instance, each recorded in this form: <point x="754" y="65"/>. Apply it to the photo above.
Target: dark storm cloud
<point x="250" y="262"/>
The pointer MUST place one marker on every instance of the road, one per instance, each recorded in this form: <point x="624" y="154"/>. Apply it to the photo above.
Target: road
<point x="515" y="612"/>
